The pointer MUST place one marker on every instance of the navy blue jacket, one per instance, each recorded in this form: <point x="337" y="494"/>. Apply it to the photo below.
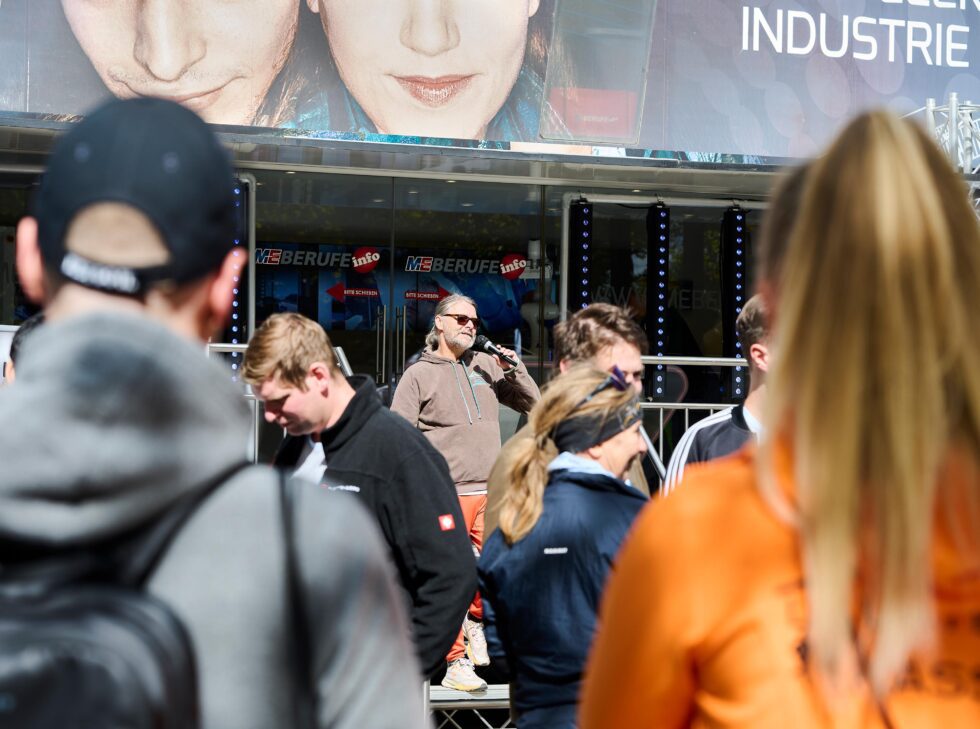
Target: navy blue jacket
<point x="541" y="595"/>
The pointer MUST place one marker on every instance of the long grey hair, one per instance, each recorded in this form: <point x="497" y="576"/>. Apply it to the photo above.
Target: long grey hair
<point x="444" y="307"/>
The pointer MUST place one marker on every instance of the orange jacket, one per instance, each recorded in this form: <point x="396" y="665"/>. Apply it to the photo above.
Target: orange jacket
<point x="704" y="619"/>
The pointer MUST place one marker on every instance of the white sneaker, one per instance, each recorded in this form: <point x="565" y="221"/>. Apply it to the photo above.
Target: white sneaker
<point x="476" y="642"/>
<point x="461" y="676"/>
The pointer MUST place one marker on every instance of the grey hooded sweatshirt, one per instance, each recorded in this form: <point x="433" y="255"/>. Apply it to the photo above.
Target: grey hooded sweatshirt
<point x="456" y="405"/>
<point x="112" y="419"/>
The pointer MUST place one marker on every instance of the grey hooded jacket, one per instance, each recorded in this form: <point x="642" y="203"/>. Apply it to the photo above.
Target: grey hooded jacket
<point x="456" y="405"/>
<point x="112" y="419"/>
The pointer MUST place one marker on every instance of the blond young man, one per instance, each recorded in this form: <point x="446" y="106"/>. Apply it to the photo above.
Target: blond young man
<point x="340" y="434"/>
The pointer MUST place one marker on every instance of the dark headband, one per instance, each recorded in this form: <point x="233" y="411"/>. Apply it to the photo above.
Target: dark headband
<point x="580" y="433"/>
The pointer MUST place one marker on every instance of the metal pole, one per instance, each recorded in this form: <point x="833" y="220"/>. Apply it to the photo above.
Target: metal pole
<point x="384" y="343"/>
<point x="377" y="344"/>
<point x="680" y="202"/>
<point x="648" y="359"/>
<point x="252" y="189"/>
<point x="969" y="140"/>
<point x="388" y="363"/>
<point x="542" y="294"/>
<point x="654" y="456"/>
<point x="401" y="365"/>
<point x="953" y="129"/>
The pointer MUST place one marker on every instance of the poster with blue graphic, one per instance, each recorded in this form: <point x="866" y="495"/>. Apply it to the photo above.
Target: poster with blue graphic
<point x="344" y="287"/>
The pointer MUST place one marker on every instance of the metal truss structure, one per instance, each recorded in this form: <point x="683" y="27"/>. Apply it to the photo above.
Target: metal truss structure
<point x="475" y="718"/>
<point x="458" y="710"/>
<point x="956" y="127"/>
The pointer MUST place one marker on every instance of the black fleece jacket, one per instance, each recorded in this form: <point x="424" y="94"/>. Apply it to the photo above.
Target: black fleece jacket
<point x="380" y="458"/>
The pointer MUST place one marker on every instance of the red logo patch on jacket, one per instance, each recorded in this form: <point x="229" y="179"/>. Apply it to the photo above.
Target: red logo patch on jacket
<point x="447" y="523"/>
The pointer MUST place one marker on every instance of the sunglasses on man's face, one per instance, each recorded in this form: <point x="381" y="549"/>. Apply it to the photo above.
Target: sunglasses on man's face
<point x="462" y="319"/>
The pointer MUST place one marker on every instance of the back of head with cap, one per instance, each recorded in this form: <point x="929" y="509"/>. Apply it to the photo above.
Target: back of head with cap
<point x="136" y="204"/>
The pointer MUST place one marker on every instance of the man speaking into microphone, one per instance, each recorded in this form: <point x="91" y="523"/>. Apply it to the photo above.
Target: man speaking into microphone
<point x="453" y="395"/>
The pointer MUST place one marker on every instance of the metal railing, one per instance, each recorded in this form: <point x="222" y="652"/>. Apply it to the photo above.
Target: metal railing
<point x="446" y="703"/>
<point x="222" y="348"/>
<point x="696" y="361"/>
<point x="665" y="410"/>
<point x="490" y="707"/>
<point x="214" y="348"/>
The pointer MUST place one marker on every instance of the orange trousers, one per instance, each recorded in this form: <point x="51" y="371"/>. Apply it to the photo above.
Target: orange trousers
<point x="474" y="507"/>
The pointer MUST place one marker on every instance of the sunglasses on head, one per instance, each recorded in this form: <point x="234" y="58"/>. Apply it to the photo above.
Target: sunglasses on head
<point x="462" y="319"/>
<point x="616" y="379"/>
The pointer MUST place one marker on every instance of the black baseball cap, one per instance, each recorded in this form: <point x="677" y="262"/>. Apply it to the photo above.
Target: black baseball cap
<point x="161" y="159"/>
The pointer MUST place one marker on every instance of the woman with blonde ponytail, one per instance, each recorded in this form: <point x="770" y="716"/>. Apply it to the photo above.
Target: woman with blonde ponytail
<point x="831" y="579"/>
<point x="565" y="511"/>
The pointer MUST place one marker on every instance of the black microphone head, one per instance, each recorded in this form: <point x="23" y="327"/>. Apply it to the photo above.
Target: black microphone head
<point x="481" y="343"/>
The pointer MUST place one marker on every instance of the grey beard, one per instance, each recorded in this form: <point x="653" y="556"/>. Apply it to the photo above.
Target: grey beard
<point x="460" y="343"/>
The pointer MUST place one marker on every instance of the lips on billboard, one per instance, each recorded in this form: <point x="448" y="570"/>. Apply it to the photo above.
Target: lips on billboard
<point x="596" y="113"/>
<point x="434" y="92"/>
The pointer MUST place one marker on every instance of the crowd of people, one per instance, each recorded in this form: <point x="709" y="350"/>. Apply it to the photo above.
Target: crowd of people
<point x="815" y="561"/>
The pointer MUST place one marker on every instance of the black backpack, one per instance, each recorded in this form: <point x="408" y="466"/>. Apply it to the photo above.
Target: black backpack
<point x="83" y="646"/>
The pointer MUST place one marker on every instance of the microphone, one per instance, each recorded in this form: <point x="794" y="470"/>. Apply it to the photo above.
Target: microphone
<point x="483" y="344"/>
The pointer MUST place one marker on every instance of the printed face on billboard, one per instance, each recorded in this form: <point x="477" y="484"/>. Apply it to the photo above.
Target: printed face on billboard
<point x="437" y="69"/>
<point x="705" y="80"/>
<point x="217" y="57"/>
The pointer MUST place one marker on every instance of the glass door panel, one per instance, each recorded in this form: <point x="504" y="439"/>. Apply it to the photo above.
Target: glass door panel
<point x="323" y="250"/>
<point x="477" y="239"/>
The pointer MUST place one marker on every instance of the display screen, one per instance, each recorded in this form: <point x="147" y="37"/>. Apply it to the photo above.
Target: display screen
<point x="707" y="80"/>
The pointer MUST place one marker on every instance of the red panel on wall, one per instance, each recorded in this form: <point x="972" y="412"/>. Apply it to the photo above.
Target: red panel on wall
<point x="596" y="113"/>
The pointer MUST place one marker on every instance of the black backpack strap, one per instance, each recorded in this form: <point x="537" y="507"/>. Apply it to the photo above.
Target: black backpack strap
<point x="300" y="658"/>
<point x="139" y="557"/>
